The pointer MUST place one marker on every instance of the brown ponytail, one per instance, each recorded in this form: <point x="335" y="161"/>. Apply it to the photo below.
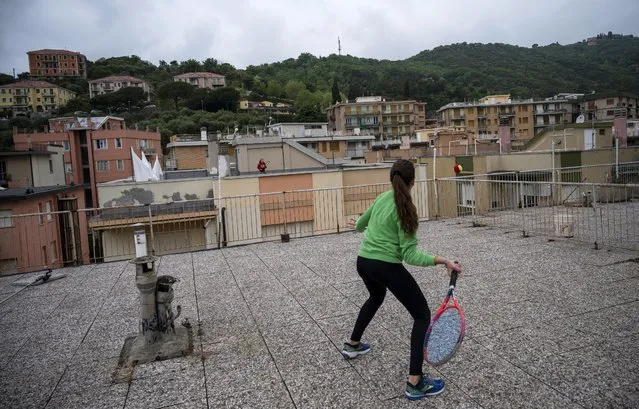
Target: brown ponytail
<point x="402" y="177"/>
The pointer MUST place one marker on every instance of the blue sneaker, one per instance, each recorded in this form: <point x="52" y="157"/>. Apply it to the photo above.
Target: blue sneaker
<point x="425" y="387"/>
<point x="349" y="351"/>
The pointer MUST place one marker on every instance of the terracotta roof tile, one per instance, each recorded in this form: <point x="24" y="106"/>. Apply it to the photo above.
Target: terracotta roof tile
<point x="198" y="74"/>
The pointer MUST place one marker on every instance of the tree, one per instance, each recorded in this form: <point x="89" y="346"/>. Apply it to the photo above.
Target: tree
<point x="76" y="104"/>
<point x="273" y="89"/>
<point x="406" y="89"/>
<point x="175" y="91"/>
<point x="6" y="79"/>
<point x="293" y="88"/>
<point x="335" y="92"/>
<point x="190" y="65"/>
<point x="24" y="76"/>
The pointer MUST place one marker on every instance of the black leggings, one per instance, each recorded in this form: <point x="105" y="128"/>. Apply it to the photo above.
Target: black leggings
<point x="378" y="276"/>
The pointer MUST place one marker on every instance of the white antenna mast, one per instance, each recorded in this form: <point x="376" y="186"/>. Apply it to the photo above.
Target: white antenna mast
<point x="339" y="46"/>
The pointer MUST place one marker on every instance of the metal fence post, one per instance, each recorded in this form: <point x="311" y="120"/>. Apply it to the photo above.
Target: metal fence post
<point x="151" y="230"/>
<point x="337" y="215"/>
<point x="520" y="185"/>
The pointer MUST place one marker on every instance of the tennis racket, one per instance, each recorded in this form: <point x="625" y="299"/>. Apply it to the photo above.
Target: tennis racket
<point x="446" y="330"/>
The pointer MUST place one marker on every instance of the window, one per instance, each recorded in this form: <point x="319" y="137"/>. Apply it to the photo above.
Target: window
<point x="53" y="256"/>
<point x="5" y="219"/>
<point x="602" y="131"/>
<point x="119" y="164"/>
<point x="102" y="165"/>
<point x="118" y="143"/>
<point x="101" y="144"/>
<point x="4" y="100"/>
<point x="68" y="168"/>
<point x="610" y="113"/>
<point x="3" y="170"/>
<point x="66" y="145"/>
<point x="50" y="166"/>
<point x="143" y="143"/>
<point x="48" y="210"/>
<point x="610" y="101"/>
<point x="525" y="120"/>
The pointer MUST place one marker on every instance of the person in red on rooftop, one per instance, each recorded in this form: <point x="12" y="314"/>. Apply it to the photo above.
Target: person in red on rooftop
<point x="261" y="166"/>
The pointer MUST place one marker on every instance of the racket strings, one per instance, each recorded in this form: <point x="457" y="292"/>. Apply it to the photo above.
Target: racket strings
<point x="444" y="336"/>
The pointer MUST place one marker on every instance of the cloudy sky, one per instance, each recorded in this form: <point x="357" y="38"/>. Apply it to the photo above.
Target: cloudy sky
<point x="245" y="32"/>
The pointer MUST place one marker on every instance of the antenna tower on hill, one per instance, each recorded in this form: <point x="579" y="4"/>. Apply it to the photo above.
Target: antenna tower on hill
<point x="339" y="46"/>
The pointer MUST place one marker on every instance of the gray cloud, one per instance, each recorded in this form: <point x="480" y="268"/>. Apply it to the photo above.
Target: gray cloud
<point x="244" y="32"/>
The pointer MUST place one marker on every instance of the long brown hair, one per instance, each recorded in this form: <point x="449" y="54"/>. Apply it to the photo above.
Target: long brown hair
<point x="402" y="176"/>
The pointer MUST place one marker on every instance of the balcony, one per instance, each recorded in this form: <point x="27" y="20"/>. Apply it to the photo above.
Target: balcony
<point x="375" y="112"/>
<point x="170" y="164"/>
<point x="550" y="111"/>
<point x="458" y="118"/>
<point x="507" y="114"/>
<point x="355" y="153"/>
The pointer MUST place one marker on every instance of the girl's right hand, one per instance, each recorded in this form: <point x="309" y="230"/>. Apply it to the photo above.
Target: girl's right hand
<point x="452" y="266"/>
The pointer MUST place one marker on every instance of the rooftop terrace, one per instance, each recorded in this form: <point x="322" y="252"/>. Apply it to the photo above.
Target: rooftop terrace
<point x="550" y="324"/>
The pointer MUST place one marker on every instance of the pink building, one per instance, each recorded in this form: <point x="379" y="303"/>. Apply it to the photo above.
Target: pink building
<point x="96" y="149"/>
<point x="40" y="226"/>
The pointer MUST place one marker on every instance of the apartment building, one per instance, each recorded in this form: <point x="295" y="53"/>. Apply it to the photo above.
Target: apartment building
<point x="317" y="137"/>
<point x="524" y="118"/>
<point x="202" y="79"/>
<point x="42" y="165"/>
<point x="57" y="63"/>
<point x="33" y="235"/>
<point x="377" y="117"/>
<point x="96" y="149"/>
<point x="607" y="109"/>
<point x="24" y="97"/>
<point x="115" y="83"/>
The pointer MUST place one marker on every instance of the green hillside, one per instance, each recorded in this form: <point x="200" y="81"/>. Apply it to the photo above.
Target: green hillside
<point x="454" y="72"/>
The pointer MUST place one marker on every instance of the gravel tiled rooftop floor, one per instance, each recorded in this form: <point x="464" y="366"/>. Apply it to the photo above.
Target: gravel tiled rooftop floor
<point x="550" y="324"/>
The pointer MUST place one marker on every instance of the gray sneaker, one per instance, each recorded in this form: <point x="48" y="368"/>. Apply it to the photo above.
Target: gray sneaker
<point x="349" y="351"/>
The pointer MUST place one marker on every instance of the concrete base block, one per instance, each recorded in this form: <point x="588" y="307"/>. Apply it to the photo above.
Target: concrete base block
<point x="137" y="352"/>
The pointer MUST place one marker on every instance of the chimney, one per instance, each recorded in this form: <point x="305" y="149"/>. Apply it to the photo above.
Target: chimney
<point x="203" y="135"/>
<point x="136" y="127"/>
<point x="46" y="129"/>
<point x="147" y="128"/>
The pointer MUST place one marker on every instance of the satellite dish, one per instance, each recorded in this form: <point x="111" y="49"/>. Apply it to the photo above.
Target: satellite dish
<point x="580" y="119"/>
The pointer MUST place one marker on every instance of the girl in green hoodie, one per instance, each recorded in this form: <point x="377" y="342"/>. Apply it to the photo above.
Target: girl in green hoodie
<point x="390" y="238"/>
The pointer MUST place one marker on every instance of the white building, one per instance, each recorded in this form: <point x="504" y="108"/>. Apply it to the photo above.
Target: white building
<point x="115" y="83"/>
<point x="299" y="129"/>
<point x="202" y="79"/>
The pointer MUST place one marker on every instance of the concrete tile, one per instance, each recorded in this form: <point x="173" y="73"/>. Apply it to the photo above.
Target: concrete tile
<point x="294" y="335"/>
<point x="185" y="364"/>
<point x="194" y="404"/>
<point x="171" y="388"/>
<point x="325" y="301"/>
<point x="264" y="395"/>
<point x="312" y="359"/>
<point x="277" y="311"/>
<point x="493" y="382"/>
<point x="112" y="397"/>
<point x="82" y="376"/>
<point x="343" y="388"/>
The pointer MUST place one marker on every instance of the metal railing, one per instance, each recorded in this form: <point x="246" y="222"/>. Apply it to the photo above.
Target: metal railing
<point x="602" y="214"/>
<point x="572" y="204"/>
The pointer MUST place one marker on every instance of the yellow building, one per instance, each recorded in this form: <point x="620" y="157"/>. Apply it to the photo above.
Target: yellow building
<point x="524" y="118"/>
<point x="23" y="97"/>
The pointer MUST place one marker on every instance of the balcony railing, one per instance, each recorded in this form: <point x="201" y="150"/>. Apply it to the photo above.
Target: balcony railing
<point x="355" y="153"/>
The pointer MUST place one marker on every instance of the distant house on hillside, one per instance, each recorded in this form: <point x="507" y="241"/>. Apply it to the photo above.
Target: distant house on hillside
<point x="202" y="79"/>
<point x="115" y="83"/>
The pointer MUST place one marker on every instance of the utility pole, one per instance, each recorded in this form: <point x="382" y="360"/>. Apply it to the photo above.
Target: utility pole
<point x="339" y="46"/>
